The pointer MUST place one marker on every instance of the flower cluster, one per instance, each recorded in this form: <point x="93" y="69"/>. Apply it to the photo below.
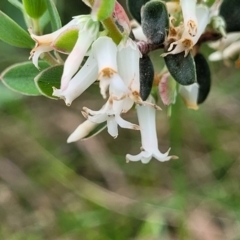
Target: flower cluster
<point x="119" y="68"/>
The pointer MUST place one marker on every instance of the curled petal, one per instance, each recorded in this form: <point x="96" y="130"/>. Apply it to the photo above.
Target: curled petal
<point x="36" y="52"/>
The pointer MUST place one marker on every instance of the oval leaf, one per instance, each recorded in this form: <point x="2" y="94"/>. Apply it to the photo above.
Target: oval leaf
<point x="146" y="76"/>
<point x="203" y="77"/>
<point x="20" y="77"/>
<point x="13" y="34"/>
<point x="47" y="79"/>
<point x="181" y="68"/>
<point x="54" y="16"/>
<point x="155" y="22"/>
<point x="134" y="7"/>
<point x="33" y="8"/>
<point x="229" y="10"/>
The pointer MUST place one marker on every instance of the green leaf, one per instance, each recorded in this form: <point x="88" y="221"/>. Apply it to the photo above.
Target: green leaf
<point x="47" y="79"/>
<point x="20" y="77"/>
<point x="54" y="16"/>
<point x="13" y="34"/>
<point x="66" y="41"/>
<point x="17" y="4"/>
<point x="102" y="9"/>
<point x="181" y="68"/>
<point x="34" y="8"/>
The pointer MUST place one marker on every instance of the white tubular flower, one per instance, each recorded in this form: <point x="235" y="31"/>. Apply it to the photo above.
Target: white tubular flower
<point x="226" y="47"/>
<point x="111" y="111"/>
<point x="80" y="82"/>
<point x="128" y="64"/>
<point x="147" y="122"/>
<point x="190" y="95"/>
<point x="82" y="131"/>
<point x="189" y="15"/>
<point x="187" y="41"/>
<point x="105" y="52"/>
<point x="44" y="43"/>
<point x="87" y="34"/>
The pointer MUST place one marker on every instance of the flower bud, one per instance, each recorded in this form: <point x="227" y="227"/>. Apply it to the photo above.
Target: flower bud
<point x="34" y="8"/>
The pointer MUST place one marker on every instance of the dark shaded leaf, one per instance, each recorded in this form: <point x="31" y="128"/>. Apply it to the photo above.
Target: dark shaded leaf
<point x="155" y="22"/>
<point x="181" y="68"/>
<point x="230" y="10"/>
<point x="203" y="77"/>
<point x="146" y="76"/>
<point x="134" y="7"/>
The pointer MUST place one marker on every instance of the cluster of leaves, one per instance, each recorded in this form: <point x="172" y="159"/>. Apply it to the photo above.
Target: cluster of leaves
<point x="154" y="19"/>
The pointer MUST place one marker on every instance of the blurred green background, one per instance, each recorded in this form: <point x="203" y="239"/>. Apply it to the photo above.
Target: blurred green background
<point x="85" y="190"/>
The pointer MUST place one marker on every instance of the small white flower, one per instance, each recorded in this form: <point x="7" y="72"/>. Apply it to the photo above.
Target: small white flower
<point x="190" y="95"/>
<point x="117" y="104"/>
<point x="85" y="77"/>
<point x="45" y="42"/>
<point x="147" y="122"/>
<point x="87" y="34"/>
<point x="226" y="47"/>
<point x="189" y="15"/>
<point x="105" y="52"/>
<point x="193" y="29"/>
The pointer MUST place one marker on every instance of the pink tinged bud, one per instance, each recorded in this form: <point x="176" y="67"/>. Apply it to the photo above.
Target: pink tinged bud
<point x="190" y="95"/>
<point x="85" y="39"/>
<point x="121" y="17"/>
<point x="147" y="122"/>
<point x="167" y="89"/>
<point x="86" y="76"/>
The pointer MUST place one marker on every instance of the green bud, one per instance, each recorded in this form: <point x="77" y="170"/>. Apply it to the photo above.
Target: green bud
<point x="34" y="8"/>
<point x="146" y="76"/>
<point x="155" y="21"/>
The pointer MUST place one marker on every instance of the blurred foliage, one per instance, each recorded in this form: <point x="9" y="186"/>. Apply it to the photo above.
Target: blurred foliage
<point x="86" y="190"/>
